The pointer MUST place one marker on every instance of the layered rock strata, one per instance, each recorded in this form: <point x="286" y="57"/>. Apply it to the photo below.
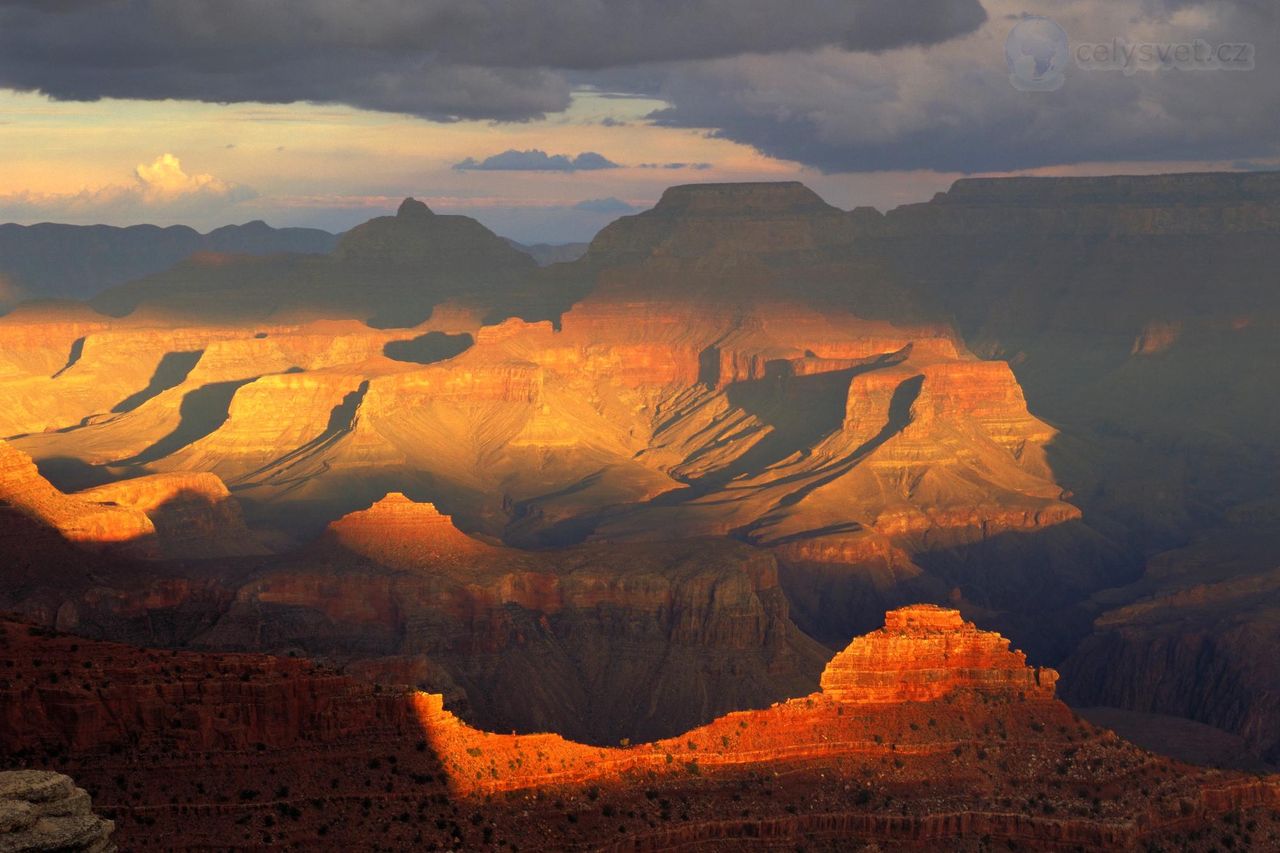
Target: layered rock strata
<point x="986" y="761"/>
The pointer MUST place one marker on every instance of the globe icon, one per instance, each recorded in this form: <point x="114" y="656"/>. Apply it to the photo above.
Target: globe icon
<point x="1036" y="52"/>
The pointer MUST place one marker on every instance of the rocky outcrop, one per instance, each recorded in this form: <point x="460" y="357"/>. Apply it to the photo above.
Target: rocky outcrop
<point x="194" y="515"/>
<point x="925" y="652"/>
<point x="42" y="811"/>
<point x="80" y="520"/>
<point x="937" y="740"/>
<point x="400" y="533"/>
<point x="349" y="763"/>
<point x="923" y="655"/>
<point x="157" y="516"/>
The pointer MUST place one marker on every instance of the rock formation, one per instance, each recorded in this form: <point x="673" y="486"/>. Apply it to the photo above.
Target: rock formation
<point x="564" y="638"/>
<point x="88" y="522"/>
<point x="406" y="264"/>
<point x="567" y="639"/>
<point x="400" y="533"/>
<point x="42" y="811"/>
<point x="878" y="402"/>
<point x="1193" y="641"/>
<point x="340" y="764"/>
<point x="923" y="653"/>
<point x="163" y="515"/>
<point x="67" y="694"/>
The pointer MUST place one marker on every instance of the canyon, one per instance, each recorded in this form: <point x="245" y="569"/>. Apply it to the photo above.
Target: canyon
<point x="925" y="732"/>
<point x="626" y="493"/>
<point x="712" y="406"/>
<point x="563" y="639"/>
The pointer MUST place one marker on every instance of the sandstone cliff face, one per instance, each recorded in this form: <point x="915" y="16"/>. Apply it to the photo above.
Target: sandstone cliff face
<point x="1195" y="651"/>
<point x="938" y="738"/>
<point x="184" y="750"/>
<point x="179" y="701"/>
<point x="1148" y="340"/>
<point x="568" y="639"/>
<point x="923" y="655"/>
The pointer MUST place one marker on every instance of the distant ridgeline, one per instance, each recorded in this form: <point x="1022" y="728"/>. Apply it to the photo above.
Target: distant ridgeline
<point x="78" y="261"/>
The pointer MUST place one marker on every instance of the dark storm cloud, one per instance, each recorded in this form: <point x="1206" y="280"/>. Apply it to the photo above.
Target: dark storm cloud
<point x="436" y="58"/>
<point x="952" y="108"/>
<point x="536" y="161"/>
<point x="842" y="85"/>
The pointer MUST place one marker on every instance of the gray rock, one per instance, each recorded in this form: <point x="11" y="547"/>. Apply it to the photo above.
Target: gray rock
<point x="43" y="812"/>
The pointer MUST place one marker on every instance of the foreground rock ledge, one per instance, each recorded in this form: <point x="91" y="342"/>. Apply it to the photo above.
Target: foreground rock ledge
<point x="43" y="811"/>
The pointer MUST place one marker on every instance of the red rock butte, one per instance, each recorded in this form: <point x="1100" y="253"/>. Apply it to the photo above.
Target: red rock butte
<point x="401" y="533"/>
<point x="923" y="653"/>
<point x="926" y="663"/>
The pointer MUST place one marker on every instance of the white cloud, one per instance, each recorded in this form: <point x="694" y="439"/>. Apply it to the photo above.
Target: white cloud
<point x="163" y="178"/>
<point x="160" y="191"/>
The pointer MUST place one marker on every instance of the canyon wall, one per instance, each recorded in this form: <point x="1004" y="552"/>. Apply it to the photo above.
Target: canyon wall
<point x="202" y="749"/>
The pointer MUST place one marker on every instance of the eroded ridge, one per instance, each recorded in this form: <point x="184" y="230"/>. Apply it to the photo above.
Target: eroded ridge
<point x="248" y="750"/>
<point x="927" y="684"/>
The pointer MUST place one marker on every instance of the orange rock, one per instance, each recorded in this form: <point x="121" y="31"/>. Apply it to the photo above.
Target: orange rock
<point x="400" y="533"/>
<point x="924" y="653"/>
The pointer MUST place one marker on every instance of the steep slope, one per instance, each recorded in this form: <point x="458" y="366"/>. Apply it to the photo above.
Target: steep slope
<point x="1188" y="639"/>
<point x="1149" y="336"/>
<point x="967" y="752"/>
<point x="84" y="521"/>
<point x="396" y="594"/>
<point x="597" y="641"/>
<point x="158" y="516"/>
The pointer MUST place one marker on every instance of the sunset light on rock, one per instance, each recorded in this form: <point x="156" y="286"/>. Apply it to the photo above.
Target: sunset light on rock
<point x="627" y="426"/>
